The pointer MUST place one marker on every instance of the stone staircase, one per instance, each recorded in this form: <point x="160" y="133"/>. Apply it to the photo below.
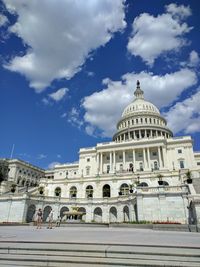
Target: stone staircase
<point x="83" y="254"/>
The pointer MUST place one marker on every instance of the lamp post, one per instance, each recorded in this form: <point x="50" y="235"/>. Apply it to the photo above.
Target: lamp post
<point x="138" y="179"/>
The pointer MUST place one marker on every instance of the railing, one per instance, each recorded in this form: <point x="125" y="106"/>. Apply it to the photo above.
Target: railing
<point x="162" y="189"/>
<point x="54" y="199"/>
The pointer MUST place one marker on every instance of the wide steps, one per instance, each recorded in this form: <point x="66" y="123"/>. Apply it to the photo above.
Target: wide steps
<point x="69" y="254"/>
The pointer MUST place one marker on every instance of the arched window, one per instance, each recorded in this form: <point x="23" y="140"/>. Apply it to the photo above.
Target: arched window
<point x="73" y="192"/>
<point x="57" y="191"/>
<point x="165" y="183"/>
<point x="89" y="191"/>
<point x="143" y="184"/>
<point x="124" y="189"/>
<point x="106" y="190"/>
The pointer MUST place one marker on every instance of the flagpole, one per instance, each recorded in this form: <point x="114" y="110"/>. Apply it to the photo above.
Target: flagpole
<point x="13" y="147"/>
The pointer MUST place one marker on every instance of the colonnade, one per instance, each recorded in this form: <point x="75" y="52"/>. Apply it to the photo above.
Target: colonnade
<point x="117" y="159"/>
<point x="138" y="134"/>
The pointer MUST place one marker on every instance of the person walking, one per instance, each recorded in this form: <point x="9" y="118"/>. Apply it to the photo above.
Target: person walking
<point x="50" y="217"/>
<point x="39" y="219"/>
<point x="58" y="221"/>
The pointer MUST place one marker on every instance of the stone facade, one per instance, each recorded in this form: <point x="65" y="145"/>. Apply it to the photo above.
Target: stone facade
<point x="142" y="175"/>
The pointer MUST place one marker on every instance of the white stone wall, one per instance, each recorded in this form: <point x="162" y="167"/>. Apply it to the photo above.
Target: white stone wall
<point x="12" y="210"/>
<point x="162" y="208"/>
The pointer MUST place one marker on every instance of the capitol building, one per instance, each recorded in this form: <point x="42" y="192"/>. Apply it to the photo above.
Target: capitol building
<point x="143" y="174"/>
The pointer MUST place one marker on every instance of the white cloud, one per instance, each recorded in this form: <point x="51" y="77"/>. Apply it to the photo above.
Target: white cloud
<point x="64" y="115"/>
<point x="179" y="12"/>
<point x="90" y="73"/>
<point x="61" y="36"/>
<point x="185" y="116"/>
<point x="41" y="156"/>
<point x="153" y="36"/>
<point x="53" y="164"/>
<point x="59" y="94"/>
<point x="194" y="59"/>
<point x="90" y="130"/>
<point x="3" y="20"/>
<point x="74" y="118"/>
<point x="45" y="101"/>
<point x="103" y="109"/>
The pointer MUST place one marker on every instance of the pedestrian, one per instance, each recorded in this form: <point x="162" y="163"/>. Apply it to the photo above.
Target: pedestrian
<point x="39" y="218"/>
<point x="58" y="221"/>
<point x="50" y="219"/>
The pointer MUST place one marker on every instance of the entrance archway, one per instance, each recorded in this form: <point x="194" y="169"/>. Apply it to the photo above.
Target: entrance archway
<point x="98" y="215"/>
<point x="126" y="214"/>
<point x="81" y="209"/>
<point x="30" y="213"/>
<point x="63" y="209"/>
<point x="46" y="212"/>
<point x="113" y="214"/>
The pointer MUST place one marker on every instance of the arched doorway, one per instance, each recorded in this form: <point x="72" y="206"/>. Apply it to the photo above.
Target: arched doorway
<point x="126" y="214"/>
<point x="46" y="212"/>
<point x="81" y="209"/>
<point x="98" y="215"/>
<point x="106" y="190"/>
<point x="30" y="213"/>
<point x="62" y="210"/>
<point x="113" y="214"/>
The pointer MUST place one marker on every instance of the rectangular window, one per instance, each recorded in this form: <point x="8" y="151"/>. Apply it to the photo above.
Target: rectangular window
<point x="179" y="151"/>
<point x="88" y="159"/>
<point x="154" y="153"/>
<point x="182" y="164"/>
<point x="198" y="163"/>
<point x="87" y="170"/>
<point x="108" y="168"/>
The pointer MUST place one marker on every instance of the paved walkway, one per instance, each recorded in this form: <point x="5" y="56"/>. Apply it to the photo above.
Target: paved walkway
<point x="99" y="235"/>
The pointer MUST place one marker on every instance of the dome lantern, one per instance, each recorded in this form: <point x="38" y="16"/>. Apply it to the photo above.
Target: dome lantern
<point x="138" y="92"/>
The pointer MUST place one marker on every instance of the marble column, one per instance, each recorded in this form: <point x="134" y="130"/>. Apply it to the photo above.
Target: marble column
<point x="144" y="159"/>
<point x="98" y="165"/>
<point x="148" y="158"/>
<point x="101" y="162"/>
<point x="159" y="158"/>
<point x="111" y="167"/>
<point x="114" y="162"/>
<point x="124" y="160"/>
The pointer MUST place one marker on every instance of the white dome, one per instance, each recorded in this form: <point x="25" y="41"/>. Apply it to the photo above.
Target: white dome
<point x="139" y="106"/>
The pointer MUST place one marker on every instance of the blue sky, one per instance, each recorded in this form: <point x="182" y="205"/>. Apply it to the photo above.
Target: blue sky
<point x="68" y="71"/>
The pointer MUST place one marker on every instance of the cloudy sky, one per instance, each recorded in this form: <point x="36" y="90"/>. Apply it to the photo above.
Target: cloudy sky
<point x="69" y="67"/>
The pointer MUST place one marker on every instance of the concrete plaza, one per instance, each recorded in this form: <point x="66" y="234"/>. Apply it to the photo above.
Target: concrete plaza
<point x="97" y="246"/>
<point x="99" y="235"/>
